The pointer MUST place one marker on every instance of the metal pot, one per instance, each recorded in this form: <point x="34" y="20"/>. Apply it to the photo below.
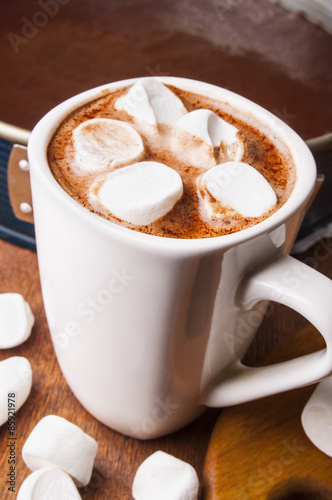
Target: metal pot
<point x="57" y="48"/>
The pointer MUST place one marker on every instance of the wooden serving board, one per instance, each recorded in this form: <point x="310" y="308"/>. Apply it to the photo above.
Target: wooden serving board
<point x="119" y="456"/>
<point x="259" y="450"/>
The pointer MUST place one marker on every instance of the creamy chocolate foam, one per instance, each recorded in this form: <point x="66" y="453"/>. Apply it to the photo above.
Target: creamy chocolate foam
<point x="185" y="154"/>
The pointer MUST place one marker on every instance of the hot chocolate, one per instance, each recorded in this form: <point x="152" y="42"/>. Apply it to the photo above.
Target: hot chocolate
<point x="227" y="171"/>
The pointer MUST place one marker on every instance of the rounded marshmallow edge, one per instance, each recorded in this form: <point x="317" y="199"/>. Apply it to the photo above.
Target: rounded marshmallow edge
<point x="316" y="417"/>
<point x="15" y="377"/>
<point x="55" y="441"/>
<point x="165" y="477"/>
<point x="48" y="483"/>
<point x="150" y="101"/>
<point x="102" y="143"/>
<point x="213" y="130"/>
<point x="239" y="186"/>
<point x="16" y="320"/>
<point x="139" y="194"/>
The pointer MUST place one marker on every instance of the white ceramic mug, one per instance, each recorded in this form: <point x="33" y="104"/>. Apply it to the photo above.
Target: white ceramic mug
<point x="149" y="331"/>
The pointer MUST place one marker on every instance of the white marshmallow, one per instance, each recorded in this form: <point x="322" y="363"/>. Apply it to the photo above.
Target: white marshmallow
<point x="215" y="131"/>
<point x="48" y="483"/>
<point x="164" y="477"/>
<point x="138" y="194"/>
<point x="15" y="378"/>
<point x="317" y="417"/>
<point x="102" y="143"/>
<point x="240" y="187"/>
<point x="56" y="442"/>
<point x="16" y="320"/>
<point x="149" y="100"/>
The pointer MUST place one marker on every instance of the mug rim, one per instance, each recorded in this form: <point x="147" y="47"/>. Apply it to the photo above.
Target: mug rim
<point x="305" y="174"/>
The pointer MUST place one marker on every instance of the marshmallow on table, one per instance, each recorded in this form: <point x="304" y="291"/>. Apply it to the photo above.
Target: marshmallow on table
<point x="138" y="194"/>
<point x="59" y="443"/>
<point x="164" y="477"/>
<point x="15" y="378"/>
<point x="213" y="130"/>
<point x="48" y="483"/>
<point x="239" y="186"/>
<point x="16" y="320"/>
<point x="317" y="417"/>
<point x="149" y="100"/>
<point x="102" y="143"/>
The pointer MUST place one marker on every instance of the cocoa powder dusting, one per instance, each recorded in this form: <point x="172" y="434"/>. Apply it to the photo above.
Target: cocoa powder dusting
<point x="188" y="218"/>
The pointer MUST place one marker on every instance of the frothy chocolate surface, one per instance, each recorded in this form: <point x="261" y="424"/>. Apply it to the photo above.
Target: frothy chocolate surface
<point x="189" y="218"/>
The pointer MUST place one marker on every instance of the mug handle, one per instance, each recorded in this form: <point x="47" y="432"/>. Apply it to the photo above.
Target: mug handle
<point x="296" y="285"/>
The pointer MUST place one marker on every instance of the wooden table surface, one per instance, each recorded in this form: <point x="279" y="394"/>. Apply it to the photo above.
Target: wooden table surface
<point x="118" y="456"/>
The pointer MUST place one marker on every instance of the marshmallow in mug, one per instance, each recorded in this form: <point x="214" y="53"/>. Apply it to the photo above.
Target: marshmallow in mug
<point x="214" y="131"/>
<point x="16" y="320"/>
<point x="152" y="102"/>
<point x="57" y="442"/>
<point x="139" y="194"/>
<point x="48" y="483"/>
<point x="15" y="384"/>
<point x="164" y="477"/>
<point x="102" y="143"/>
<point x="238" y="186"/>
